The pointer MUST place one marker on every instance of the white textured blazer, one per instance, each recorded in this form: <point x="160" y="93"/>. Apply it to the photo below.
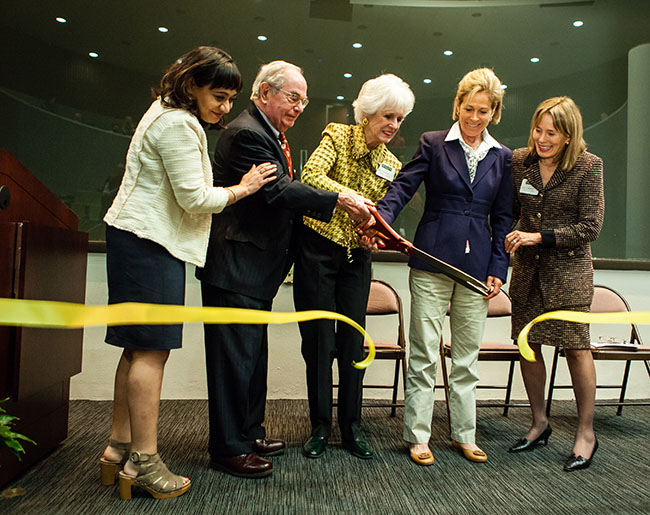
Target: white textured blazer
<point x="166" y="193"/>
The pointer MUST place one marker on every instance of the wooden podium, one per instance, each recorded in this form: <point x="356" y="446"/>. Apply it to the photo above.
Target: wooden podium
<point x="43" y="257"/>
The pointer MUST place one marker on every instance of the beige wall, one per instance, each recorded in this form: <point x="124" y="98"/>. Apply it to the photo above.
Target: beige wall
<point x="185" y="372"/>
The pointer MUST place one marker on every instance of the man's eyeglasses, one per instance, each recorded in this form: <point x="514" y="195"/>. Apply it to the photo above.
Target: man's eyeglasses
<point x="294" y="98"/>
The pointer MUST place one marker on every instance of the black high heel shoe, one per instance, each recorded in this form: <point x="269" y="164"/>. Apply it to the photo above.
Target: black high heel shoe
<point x="529" y="445"/>
<point x="574" y="462"/>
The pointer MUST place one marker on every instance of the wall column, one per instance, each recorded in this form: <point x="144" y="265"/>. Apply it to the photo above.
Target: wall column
<point x="638" y="162"/>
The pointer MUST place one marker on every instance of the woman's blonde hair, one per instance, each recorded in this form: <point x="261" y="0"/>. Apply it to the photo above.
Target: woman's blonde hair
<point x="566" y="120"/>
<point x="476" y="81"/>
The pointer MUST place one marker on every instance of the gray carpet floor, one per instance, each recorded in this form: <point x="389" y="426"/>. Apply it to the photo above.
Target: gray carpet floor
<point x="67" y="481"/>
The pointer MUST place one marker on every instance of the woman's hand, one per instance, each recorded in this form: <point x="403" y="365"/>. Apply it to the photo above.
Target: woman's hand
<point x="370" y="243"/>
<point x="494" y="284"/>
<point x="257" y="177"/>
<point x="252" y="181"/>
<point x="517" y="239"/>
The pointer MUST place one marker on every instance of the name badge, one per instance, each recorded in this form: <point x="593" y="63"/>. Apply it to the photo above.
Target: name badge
<point x="386" y="171"/>
<point x="527" y="188"/>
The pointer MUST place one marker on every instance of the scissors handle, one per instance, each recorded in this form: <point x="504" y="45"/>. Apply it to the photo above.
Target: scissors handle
<point x="391" y="239"/>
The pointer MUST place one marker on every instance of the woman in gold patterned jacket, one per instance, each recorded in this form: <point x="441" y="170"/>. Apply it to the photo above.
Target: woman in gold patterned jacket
<point x="560" y="205"/>
<point x="331" y="271"/>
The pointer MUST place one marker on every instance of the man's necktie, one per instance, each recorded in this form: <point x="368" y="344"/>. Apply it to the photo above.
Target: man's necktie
<point x="287" y="153"/>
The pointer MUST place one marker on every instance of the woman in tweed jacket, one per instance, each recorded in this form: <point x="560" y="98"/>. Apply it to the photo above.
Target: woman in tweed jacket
<point x="560" y="206"/>
<point x="332" y="272"/>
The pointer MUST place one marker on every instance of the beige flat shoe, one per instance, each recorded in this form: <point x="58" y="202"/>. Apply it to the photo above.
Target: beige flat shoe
<point x="475" y="455"/>
<point x="423" y="458"/>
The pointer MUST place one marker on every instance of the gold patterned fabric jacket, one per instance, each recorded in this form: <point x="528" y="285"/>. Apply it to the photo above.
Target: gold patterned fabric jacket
<point x="343" y="163"/>
<point x="572" y="205"/>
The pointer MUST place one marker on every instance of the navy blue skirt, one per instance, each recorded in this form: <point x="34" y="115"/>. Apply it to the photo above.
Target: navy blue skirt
<point x="140" y="270"/>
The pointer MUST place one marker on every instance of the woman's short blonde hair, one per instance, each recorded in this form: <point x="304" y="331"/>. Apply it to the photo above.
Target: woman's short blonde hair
<point x="476" y="81"/>
<point x="387" y="91"/>
<point x="567" y="120"/>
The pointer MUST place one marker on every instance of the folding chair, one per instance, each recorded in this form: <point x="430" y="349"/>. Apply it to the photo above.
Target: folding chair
<point x="607" y="300"/>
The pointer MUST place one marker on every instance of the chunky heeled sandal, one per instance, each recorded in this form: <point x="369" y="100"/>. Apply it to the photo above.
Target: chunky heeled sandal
<point x="109" y="469"/>
<point x="154" y="477"/>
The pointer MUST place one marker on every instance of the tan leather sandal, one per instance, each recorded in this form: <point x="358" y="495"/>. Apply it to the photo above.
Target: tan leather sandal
<point x="109" y="469"/>
<point x="154" y="477"/>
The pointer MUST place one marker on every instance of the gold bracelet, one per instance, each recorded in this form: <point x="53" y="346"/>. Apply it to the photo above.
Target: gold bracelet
<point x="234" y="195"/>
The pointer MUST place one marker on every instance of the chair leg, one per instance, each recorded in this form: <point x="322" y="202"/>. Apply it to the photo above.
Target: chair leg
<point x="551" y="384"/>
<point x="445" y="380"/>
<point x="404" y="377"/>
<point x="626" y="375"/>
<point x="509" y="389"/>
<point x="395" y="385"/>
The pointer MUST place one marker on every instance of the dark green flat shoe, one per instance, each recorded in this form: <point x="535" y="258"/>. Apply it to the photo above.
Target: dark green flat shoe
<point x="315" y="446"/>
<point x="359" y="447"/>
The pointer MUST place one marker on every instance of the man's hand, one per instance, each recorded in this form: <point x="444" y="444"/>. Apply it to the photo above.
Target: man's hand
<point x="356" y="206"/>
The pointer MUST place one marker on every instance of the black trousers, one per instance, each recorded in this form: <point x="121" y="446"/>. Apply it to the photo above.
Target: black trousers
<point x="236" y="357"/>
<point x="324" y="279"/>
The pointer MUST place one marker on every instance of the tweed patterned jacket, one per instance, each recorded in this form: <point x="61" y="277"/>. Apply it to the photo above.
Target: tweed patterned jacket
<point x="572" y="205"/>
<point x="344" y="163"/>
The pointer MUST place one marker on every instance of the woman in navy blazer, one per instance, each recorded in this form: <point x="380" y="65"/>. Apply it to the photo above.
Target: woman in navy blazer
<point x="467" y="175"/>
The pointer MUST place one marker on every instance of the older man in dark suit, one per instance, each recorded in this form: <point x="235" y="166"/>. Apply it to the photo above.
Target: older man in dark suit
<point x="249" y="255"/>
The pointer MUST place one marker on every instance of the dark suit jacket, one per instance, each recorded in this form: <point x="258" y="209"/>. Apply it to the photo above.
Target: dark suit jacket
<point x="572" y="205"/>
<point x="250" y="249"/>
<point x="457" y="211"/>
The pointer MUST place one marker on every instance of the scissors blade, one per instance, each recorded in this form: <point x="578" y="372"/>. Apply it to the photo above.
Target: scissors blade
<point x="452" y="272"/>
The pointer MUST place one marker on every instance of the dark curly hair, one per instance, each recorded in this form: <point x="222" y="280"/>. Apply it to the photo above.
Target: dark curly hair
<point x="206" y="65"/>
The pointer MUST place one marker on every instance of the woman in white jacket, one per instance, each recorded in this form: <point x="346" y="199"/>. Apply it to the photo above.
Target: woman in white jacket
<point x="160" y="219"/>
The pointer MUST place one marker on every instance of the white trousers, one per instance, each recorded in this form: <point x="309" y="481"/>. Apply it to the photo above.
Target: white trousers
<point x="430" y="295"/>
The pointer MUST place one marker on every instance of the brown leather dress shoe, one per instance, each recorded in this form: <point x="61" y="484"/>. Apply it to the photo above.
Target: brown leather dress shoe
<point x="269" y="447"/>
<point x="244" y="465"/>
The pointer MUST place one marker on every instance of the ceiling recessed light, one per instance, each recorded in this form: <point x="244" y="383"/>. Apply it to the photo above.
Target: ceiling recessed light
<point x="340" y="97"/>
<point x="448" y="52"/>
<point x="262" y="37"/>
<point x="578" y="23"/>
<point x="94" y="55"/>
<point x="534" y="59"/>
<point x="504" y="86"/>
<point x="347" y="75"/>
<point x="163" y="29"/>
<point x="61" y="20"/>
<point x="357" y="45"/>
<point x="427" y="81"/>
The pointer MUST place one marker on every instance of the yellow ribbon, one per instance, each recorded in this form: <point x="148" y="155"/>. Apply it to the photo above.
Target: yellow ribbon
<point x="629" y="317"/>
<point x="68" y="315"/>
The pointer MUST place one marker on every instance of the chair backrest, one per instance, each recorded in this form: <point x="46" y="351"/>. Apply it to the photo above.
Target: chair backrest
<point x="608" y="300"/>
<point x="383" y="299"/>
<point x="500" y="306"/>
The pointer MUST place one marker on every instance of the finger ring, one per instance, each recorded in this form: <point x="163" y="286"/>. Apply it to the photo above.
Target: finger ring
<point x="261" y="171"/>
